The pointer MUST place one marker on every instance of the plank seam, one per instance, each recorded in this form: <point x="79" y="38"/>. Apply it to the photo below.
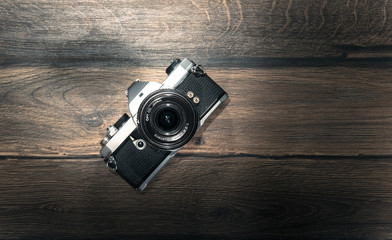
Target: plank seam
<point x="240" y="155"/>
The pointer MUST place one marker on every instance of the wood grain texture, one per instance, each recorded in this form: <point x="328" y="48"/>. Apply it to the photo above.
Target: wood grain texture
<point x="228" y="32"/>
<point x="302" y="150"/>
<point x="268" y="198"/>
<point x="293" y="111"/>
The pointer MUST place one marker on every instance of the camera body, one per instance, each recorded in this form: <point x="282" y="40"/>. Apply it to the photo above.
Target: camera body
<point x="163" y="118"/>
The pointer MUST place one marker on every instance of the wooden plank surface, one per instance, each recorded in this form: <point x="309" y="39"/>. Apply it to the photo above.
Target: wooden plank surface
<point x="228" y="32"/>
<point x="302" y="150"/>
<point x="268" y="198"/>
<point x="288" y="111"/>
<point x="322" y="198"/>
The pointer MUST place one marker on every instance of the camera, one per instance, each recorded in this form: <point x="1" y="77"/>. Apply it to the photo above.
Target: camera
<point x="163" y="118"/>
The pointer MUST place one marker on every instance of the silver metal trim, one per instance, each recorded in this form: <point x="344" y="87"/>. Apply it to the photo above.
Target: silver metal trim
<point x="110" y="133"/>
<point x="221" y="100"/>
<point x="155" y="172"/>
<point x="134" y="104"/>
<point x="136" y="142"/>
<point x="118" y="138"/>
<point x="178" y="74"/>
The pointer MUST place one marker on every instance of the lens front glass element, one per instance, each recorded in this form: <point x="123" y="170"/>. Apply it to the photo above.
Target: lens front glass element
<point x="168" y="119"/>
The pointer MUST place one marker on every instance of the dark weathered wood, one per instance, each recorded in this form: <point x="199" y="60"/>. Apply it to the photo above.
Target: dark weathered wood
<point x="301" y="151"/>
<point x="228" y="32"/>
<point x="324" y="111"/>
<point x="198" y="197"/>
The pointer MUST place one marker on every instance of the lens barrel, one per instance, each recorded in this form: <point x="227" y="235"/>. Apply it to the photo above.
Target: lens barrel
<point x="167" y="119"/>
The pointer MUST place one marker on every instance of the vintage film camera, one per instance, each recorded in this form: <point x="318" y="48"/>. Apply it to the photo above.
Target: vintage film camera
<point x="164" y="117"/>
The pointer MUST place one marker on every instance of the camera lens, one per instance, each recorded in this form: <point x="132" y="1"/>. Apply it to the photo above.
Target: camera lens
<point x="167" y="119"/>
